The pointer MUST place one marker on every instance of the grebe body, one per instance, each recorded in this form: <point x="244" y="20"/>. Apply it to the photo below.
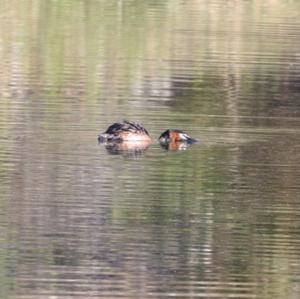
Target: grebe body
<point x="125" y="132"/>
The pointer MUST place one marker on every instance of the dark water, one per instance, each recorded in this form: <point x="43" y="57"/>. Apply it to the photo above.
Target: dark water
<point x="217" y="220"/>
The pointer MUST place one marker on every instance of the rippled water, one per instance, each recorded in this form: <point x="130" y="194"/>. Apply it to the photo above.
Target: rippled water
<point x="219" y="219"/>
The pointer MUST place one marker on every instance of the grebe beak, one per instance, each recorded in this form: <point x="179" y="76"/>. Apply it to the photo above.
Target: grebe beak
<point x="191" y="140"/>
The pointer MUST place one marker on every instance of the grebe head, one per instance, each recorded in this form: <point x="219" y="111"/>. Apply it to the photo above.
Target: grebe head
<point x="173" y="135"/>
<point x="125" y="131"/>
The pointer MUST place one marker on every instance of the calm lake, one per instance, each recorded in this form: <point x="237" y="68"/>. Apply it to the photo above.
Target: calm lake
<point x="218" y="219"/>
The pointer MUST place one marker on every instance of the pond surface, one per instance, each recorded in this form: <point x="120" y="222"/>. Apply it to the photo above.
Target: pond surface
<point x="219" y="219"/>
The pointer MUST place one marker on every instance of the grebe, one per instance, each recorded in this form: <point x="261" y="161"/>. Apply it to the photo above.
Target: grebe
<point x="125" y="131"/>
<point x="174" y="136"/>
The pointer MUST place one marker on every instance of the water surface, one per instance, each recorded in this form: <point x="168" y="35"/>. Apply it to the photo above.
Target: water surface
<point x="219" y="219"/>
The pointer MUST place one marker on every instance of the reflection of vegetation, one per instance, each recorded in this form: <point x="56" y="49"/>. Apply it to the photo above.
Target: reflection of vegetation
<point x="104" y="41"/>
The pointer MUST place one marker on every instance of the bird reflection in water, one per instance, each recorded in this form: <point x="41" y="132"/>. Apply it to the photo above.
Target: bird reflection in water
<point x="174" y="146"/>
<point x="127" y="149"/>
